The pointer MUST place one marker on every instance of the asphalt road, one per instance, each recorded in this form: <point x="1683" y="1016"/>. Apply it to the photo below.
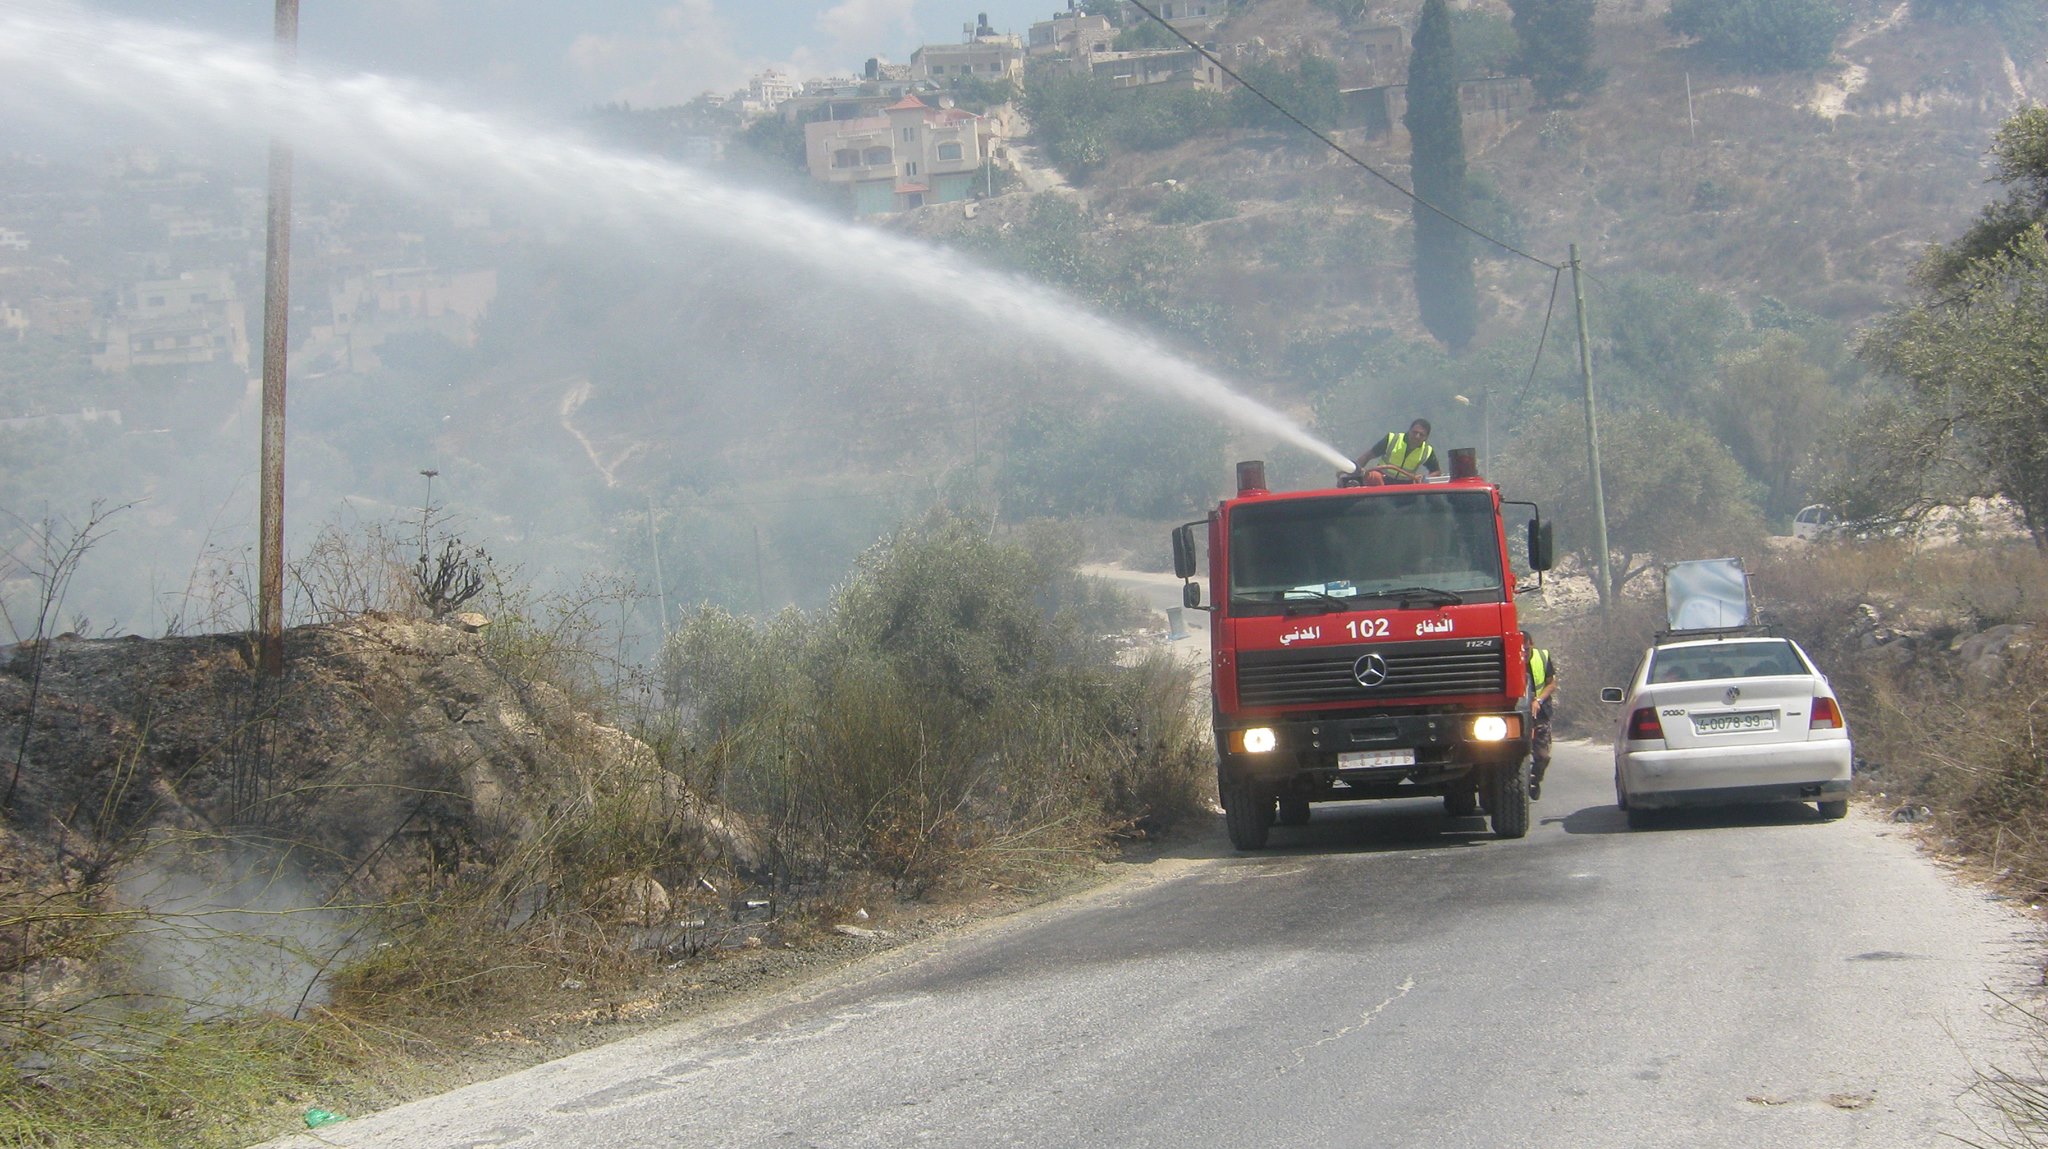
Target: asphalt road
<point x="1384" y="976"/>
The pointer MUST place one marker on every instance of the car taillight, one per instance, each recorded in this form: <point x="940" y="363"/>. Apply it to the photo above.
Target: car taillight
<point x="1643" y="725"/>
<point x="1826" y="715"/>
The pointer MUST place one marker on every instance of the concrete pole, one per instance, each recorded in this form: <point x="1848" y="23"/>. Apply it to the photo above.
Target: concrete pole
<point x="276" y="316"/>
<point x="1592" y="436"/>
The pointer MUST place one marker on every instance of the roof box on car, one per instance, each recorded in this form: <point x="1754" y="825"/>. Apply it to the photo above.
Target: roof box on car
<point x="1706" y="596"/>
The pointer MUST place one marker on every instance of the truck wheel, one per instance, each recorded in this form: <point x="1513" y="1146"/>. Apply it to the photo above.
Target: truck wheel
<point x="1247" y="815"/>
<point x="1293" y="810"/>
<point x="1833" y="811"/>
<point x="1462" y="799"/>
<point x="1508" y="802"/>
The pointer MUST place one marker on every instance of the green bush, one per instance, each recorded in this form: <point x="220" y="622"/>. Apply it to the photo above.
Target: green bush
<point x="1761" y="35"/>
<point x="1187" y="203"/>
<point x="953" y="713"/>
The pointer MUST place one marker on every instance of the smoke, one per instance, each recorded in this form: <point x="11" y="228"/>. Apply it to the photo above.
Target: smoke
<point x="230" y="926"/>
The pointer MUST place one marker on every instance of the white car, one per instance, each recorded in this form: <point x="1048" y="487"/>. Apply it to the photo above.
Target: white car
<point x="1725" y="720"/>
<point x="1816" y="521"/>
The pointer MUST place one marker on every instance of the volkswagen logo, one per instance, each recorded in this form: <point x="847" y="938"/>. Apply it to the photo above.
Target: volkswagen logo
<point x="1370" y="671"/>
<point x="1733" y="694"/>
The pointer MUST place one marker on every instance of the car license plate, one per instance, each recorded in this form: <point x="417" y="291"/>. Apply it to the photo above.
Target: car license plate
<point x="1735" y="723"/>
<point x="1363" y="759"/>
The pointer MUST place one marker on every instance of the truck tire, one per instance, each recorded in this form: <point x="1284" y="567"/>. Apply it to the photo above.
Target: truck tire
<point x="1833" y="811"/>
<point x="1507" y="803"/>
<point x="1293" y="810"/>
<point x="1247" y="815"/>
<point x="1462" y="799"/>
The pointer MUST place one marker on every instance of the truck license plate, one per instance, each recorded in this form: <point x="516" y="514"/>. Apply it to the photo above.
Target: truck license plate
<point x="1734" y="723"/>
<point x="1362" y="759"/>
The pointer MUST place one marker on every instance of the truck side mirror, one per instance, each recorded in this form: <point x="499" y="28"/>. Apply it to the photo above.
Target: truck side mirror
<point x="1191" y="594"/>
<point x="1541" y="545"/>
<point x="1184" y="552"/>
<point x="1610" y="694"/>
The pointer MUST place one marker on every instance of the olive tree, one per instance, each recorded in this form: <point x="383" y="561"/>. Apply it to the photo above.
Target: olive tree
<point x="1974" y="365"/>
<point x="1673" y="491"/>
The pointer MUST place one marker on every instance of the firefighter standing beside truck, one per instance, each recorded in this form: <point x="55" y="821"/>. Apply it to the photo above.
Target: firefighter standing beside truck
<point x="1542" y="686"/>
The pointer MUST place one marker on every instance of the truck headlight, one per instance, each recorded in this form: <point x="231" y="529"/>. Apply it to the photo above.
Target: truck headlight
<point x="1260" y="740"/>
<point x="1489" y="728"/>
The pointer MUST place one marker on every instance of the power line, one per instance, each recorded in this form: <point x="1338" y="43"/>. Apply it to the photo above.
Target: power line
<point x="1333" y="145"/>
<point x="1556" y="280"/>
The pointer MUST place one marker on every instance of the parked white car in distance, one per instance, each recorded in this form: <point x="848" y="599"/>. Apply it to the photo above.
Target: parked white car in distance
<point x="1815" y="521"/>
<point x="1718" y="721"/>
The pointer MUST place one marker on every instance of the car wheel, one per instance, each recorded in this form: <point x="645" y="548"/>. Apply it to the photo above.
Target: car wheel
<point x="1640" y="819"/>
<point x="1247" y="815"/>
<point x="1833" y="811"/>
<point x="1462" y="799"/>
<point x="1620" y="795"/>
<point x="1293" y="810"/>
<point x="1507" y="801"/>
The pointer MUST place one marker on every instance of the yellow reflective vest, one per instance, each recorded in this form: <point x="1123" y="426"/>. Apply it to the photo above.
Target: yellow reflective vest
<point x="1399" y="454"/>
<point x="1540" y="670"/>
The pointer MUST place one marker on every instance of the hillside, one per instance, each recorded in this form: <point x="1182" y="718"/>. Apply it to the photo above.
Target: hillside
<point x="1820" y="190"/>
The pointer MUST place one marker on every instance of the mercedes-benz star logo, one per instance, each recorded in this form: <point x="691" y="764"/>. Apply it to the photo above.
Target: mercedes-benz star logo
<point x="1370" y="671"/>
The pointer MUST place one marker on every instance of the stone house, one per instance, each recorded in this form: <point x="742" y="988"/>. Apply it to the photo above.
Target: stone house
<point x="909" y="155"/>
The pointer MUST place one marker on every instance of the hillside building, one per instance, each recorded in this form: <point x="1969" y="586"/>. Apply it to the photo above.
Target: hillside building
<point x="197" y="317"/>
<point x="1490" y="106"/>
<point x="1070" y="34"/>
<point x="909" y="155"/>
<point x="366" y="309"/>
<point x="1165" y="67"/>
<point x="990" y="57"/>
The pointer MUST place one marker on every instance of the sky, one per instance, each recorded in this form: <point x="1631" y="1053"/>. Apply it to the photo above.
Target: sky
<point x="562" y="55"/>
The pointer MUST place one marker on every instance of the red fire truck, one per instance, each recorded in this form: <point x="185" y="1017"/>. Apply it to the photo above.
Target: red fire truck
<point x="1364" y="644"/>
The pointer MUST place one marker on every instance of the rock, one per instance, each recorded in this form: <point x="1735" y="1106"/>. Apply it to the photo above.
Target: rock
<point x="1912" y="813"/>
<point x="635" y="899"/>
<point x="1986" y="658"/>
<point x="860" y="932"/>
<point x="471" y="621"/>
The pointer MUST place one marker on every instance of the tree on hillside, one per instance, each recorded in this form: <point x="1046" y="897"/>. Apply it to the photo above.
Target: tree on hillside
<point x="1771" y="405"/>
<point x="1444" y="289"/>
<point x="1673" y="491"/>
<point x="2019" y="154"/>
<point x="1309" y="90"/>
<point x="1974" y="364"/>
<point x="1557" y="47"/>
<point x="1971" y="359"/>
<point x="1761" y="35"/>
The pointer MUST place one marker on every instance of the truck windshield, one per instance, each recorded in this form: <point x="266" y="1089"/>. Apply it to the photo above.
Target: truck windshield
<point x="1329" y="553"/>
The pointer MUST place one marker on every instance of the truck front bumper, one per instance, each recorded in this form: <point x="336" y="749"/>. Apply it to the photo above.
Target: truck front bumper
<point x="1445" y="744"/>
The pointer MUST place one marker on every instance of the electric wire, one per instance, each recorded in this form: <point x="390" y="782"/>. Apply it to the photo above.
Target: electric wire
<point x="1333" y="145"/>
<point x="1556" y="281"/>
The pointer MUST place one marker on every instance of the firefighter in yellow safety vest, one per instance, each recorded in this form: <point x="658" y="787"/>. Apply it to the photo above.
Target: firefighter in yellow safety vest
<point x="1409" y="452"/>
<point x="1542" y="686"/>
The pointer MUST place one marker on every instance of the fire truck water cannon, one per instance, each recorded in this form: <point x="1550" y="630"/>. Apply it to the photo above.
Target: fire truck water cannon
<point x="1365" y="644"/>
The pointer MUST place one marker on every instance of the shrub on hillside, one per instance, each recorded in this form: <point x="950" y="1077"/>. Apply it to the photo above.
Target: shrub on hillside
<point x="953" y="712"/>
<point x="1761" y="35"/>
<point x="1188" y="203"/>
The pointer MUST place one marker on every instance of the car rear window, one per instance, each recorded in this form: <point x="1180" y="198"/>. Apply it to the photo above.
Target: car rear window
<point x="1726" y="660"/>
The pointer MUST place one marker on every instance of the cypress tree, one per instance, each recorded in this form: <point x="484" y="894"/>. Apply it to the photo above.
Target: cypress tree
<point x="1556" y="46"/>
<point x="1444" y="288"/>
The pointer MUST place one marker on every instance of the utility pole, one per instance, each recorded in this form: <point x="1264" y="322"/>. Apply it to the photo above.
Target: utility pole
<point x="660" y="585"/>
<point x="276" y="317"/>
<point x="1592" y="437"/>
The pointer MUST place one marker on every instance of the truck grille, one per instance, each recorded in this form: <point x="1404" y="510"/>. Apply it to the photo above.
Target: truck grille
<point x="1414" y="670"/>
